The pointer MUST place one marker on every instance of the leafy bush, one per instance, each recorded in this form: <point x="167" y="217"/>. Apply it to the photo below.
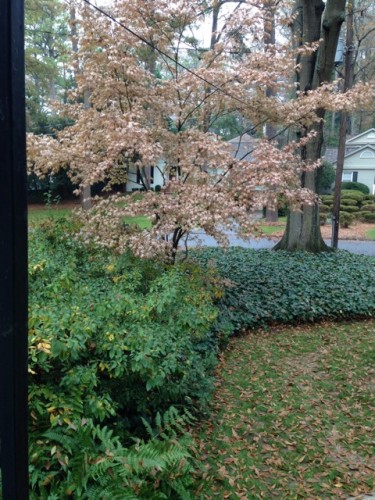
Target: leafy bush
<point x="113" y="340"/>
<point x="264" y="287"/>
<point x="349" y="202"/>
<point x="349" y="209"/>
<point x="324" y="209"/>
<point x="367" y="216"/>
<point x="327" y="199"/>
<point x="326" y="178"/>
<point x="346" y="219"/>
<point x="361" y="216"/>
<point x="356" y="186"/>
<point x="370" y="198"/>
<point x="84" y="461"/>
<point x="353" y="195"/>
<point x="323" y="219"/>
<point x="368" y="208"/>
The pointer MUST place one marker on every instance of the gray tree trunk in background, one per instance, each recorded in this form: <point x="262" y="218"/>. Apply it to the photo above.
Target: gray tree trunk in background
<point x="270" y="39"/>
<point x="348" y="74"/>
<point x="85" y="195"/>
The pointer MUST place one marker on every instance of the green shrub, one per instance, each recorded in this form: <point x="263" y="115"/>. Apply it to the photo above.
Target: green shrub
<point x="82" y="460"/>
<point x="265" y="287"/>
<point x="349" y="202"/>
<point x="114" y="340"/>
<point x="349" y="209"/>
<point x="346" y="219"/>
<point x="356" y="186"/>
<point x="368" y="208"/>
<point x="326" y="178"/>
<point x="323" y="219"/>
<point x="327" y="199"/>
<point x="137" y="323"/>
<point x="324" y="209"/>
<point x="353" y="195"/>
<point x="370" y="198"/>
<point x="367" y="216"/>
<point x="361" y="216"/>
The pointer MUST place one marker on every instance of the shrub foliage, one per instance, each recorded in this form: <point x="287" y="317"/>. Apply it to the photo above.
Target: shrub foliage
<point x="356" y="186"/>
<point x="114" y="342"/>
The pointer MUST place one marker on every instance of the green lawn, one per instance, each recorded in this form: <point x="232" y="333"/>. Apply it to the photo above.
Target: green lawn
<point x="294" y="415"/>
<point x="38" y="215"/>
<point x="270" y="229"/>
<point x="142" y="221"/>
<point x="371" y="234"/>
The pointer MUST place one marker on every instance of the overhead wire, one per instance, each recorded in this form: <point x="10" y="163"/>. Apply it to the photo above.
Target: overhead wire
<point x="165" y="54"/>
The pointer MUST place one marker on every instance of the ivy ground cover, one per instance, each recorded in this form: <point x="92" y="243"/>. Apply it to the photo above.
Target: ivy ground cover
<point x="265" y="287"/>
<point x="294" y="415"/>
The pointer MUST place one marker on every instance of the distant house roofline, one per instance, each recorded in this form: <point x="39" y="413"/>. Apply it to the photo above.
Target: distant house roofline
<point x="243" y="146"/>
<point x="356" y="151"/>
<point x="353" y="139"/>
<point x="243" y="138"/>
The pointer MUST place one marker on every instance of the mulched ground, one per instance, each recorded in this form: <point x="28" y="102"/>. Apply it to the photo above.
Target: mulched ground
<point x="356" y="232"/>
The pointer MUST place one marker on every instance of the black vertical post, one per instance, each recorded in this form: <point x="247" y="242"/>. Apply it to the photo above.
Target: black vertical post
<point x="13" y="255"/>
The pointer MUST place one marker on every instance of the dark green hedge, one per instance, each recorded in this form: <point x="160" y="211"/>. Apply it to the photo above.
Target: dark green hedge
<point x="357" y="186"/>
<point x="264" y="287"/>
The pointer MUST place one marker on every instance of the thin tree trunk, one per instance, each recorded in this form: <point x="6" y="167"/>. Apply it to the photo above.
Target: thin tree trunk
<point x="343" y="130"/>
<point x="85" y="195"/>
<point x="269" y="40"/>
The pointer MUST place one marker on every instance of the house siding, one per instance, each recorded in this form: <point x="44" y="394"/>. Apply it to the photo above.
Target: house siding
<point x="132" y="183"/>
<point x="360" y="157"/>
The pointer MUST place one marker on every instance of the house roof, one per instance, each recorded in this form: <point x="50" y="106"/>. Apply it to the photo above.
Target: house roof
<point x="358" y="141"/>
<point x="359" y="150"/>
<point x="331" y="154"/>
<point x="360" y="137"/>
<point x="243" y="145"/>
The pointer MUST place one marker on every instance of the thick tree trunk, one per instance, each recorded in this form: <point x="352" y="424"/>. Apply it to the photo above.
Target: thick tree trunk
<point x="315" y="21"/>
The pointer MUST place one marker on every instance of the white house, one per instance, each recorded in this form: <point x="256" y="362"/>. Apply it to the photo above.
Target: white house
<point x="359" y="161"/>
<point x="155" y="175"/>
<point x="241" y="146"/>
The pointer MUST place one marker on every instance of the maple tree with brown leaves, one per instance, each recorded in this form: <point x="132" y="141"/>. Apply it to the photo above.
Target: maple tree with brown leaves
<point x="153" y="100"/>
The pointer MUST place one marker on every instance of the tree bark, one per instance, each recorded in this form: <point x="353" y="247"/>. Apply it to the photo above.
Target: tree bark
<point x="85" y="194"/>
<point x="343" y="130"/>
<point x="269" y="35"/>
<point x="315" y="21"/>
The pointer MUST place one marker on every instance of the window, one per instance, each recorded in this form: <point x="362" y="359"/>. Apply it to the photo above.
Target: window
<point x="355" y="177"/>
<point x="347" y="176"/>
<point x="367" y="154"/>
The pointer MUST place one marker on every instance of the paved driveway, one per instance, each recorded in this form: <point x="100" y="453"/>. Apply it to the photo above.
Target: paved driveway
<point x="354" y="246"/>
